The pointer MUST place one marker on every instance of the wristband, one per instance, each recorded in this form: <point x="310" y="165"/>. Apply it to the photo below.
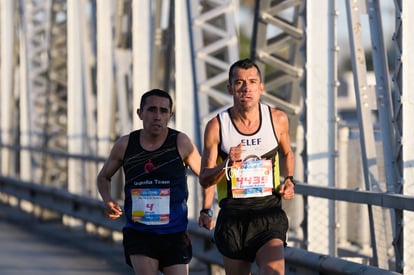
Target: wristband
<point x="208" y="212"/>
<point x="291" y="178"/>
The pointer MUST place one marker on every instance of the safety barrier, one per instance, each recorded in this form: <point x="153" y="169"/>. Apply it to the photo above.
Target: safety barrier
<point x="298" y="261"/>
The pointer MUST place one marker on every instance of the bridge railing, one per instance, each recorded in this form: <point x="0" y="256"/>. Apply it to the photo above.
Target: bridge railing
<point x="298" y="261"/>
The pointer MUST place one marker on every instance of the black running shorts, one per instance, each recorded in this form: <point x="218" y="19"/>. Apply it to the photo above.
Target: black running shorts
<point x="168" y="249"/>
<point x="240" y="234"/>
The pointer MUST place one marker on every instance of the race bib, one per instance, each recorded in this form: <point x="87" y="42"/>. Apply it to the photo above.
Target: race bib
<point x="151" y="205"/>
<point x="252" y="178"/>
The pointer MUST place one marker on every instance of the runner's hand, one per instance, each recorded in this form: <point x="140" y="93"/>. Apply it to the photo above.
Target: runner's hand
<point x="206" y="221"/>
<point x="113" y="210"/>
<point x="287" y="190"/>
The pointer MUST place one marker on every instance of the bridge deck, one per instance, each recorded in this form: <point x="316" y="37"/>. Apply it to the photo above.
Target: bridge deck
<point x="29" y="246"/>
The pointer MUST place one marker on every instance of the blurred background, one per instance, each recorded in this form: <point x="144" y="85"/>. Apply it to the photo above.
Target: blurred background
<point x="72" y="73"/>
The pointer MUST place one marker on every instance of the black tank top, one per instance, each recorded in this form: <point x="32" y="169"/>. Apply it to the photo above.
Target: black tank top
<point x="152" y="176"/>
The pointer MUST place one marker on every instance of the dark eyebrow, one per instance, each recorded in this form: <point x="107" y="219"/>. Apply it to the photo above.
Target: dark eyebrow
<point x="254" y="79"/>
<point x="163" y="109"/>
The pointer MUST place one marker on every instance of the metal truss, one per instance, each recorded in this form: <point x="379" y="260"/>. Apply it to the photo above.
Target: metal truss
<point x="214" y="47"/>
<point x="35" y="18"/>
<point x="9" y="131"/>
<point x="197" y="77"/>
<point x="374" y="100"/>
<point x="398" y="240"/>
<point x="43" y="90"/>
<point x="403" y="150"/>
<point x="277" y="47"/>
<point x="55" y="169"/>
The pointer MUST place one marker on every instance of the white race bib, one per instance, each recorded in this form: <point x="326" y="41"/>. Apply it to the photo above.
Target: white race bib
<point x="252" y="178"/>
<point x="151" y="205"/>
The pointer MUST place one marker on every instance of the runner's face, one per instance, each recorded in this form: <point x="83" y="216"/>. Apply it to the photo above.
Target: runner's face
<point x="156" y="114"/>
<point x="246" y="87"/>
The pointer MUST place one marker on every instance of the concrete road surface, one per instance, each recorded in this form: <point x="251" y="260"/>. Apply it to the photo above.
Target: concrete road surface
<point x="28" y="246"/>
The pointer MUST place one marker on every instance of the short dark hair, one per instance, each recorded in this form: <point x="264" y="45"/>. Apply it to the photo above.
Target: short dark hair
<point x="155" y="92"/>
<point x="243" y="64"/>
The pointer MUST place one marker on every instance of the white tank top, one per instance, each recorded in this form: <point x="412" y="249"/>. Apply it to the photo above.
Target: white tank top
<point x="261" y="143"/>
